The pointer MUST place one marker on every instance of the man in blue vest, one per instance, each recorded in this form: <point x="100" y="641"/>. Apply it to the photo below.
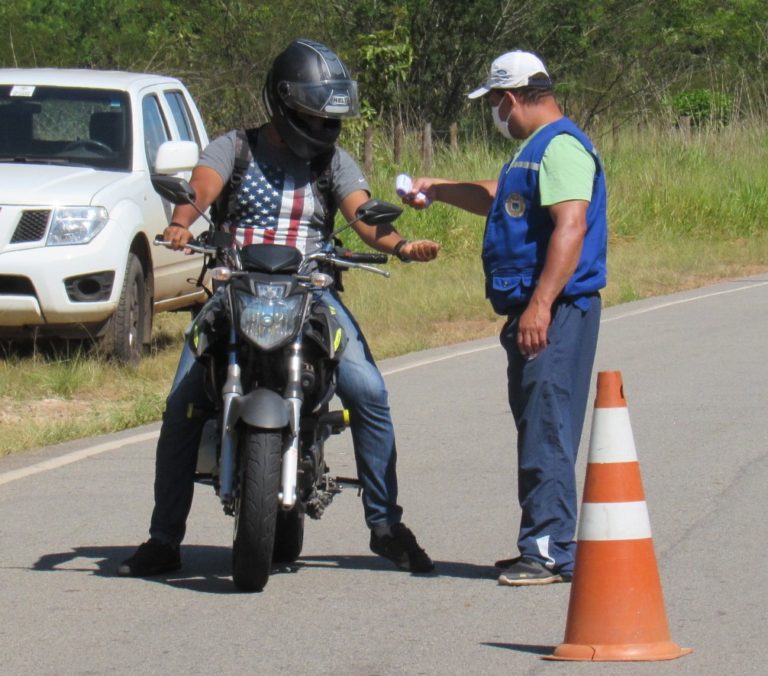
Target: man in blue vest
<point x="544" y="256"/>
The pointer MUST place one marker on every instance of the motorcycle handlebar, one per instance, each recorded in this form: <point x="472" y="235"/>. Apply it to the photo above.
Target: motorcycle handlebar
<point x="357" y="257"/>
<point x="340" y="256"/>
<point x="192" y="245"/>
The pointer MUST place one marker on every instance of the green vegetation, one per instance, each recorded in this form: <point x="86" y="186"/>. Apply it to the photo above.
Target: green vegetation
<point x="703" y="106"/>
<point x="685" y="209"/>
<point x="415" y="59"/>
<point x="687" y="201"/>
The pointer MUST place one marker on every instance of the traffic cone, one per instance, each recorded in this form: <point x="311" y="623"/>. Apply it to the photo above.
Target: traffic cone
<point x="616" y="609"/>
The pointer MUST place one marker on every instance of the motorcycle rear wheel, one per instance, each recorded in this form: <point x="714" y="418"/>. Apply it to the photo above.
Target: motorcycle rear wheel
<point x="257" y="507"/>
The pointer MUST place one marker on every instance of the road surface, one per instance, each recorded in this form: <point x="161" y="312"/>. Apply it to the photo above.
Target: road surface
<point x="695" y="374"/>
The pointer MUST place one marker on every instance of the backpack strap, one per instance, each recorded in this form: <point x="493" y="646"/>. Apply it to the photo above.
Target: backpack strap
<point x="321" y="177"/>
<point x="226" y="202"/>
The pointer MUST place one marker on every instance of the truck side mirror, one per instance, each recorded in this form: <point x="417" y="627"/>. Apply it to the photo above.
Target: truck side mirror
<point x="176" y="156"/>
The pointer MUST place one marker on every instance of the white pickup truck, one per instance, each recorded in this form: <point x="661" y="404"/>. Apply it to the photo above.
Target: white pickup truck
<point x="77" y="210"/>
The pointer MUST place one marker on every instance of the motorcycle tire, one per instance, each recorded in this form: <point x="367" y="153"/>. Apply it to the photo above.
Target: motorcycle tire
<point x="289" y="536"/>
<point x="257" y="508"/>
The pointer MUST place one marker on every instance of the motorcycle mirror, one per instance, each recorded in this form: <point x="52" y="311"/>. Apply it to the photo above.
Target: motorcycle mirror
<point x="176" y="190"/>
<point x="377" y="212"/>
<point x="373" y="212"/>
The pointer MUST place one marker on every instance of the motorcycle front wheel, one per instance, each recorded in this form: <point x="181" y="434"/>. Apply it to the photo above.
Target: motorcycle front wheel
<point x="289" y="536"/>
<point x="256" y="509"/>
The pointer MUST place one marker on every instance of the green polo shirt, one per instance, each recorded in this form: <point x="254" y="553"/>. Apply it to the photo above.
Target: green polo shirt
<point x="567" y="170"/>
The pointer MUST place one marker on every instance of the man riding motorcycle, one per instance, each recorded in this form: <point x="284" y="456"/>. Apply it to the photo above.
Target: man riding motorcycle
<point x="287" y="195"/>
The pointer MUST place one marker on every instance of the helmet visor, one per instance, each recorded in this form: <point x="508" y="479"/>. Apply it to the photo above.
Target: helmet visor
<point x="330" y="98"/>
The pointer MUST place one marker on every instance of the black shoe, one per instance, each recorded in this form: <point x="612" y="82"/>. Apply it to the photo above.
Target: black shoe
<point x="527" y="571"/>
<point x="507" y="563"/>
<point x="151" y="558"/>
<point x="400" y="547"/>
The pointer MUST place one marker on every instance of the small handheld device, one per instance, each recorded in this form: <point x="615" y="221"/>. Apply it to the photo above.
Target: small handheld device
<point x="403" y="184"/>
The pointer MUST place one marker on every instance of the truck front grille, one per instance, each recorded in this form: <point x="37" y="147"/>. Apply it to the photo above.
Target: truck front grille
<point x="32" y="225"/>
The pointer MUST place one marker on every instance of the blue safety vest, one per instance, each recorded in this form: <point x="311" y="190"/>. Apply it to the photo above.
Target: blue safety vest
<point x="518" y="228"/>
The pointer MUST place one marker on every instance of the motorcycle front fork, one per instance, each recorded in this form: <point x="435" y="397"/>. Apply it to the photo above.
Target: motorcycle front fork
<point x="294" y="395"/>
<point x="233" y="388"/>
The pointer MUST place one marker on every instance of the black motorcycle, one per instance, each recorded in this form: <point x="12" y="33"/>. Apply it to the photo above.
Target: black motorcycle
<point x="270" y="351"/>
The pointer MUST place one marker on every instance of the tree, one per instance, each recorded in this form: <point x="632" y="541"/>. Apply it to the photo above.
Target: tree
<point x="415" y="59"/>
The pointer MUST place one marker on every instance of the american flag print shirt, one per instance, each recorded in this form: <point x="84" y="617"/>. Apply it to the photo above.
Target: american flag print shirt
<point x="275" y="207"/>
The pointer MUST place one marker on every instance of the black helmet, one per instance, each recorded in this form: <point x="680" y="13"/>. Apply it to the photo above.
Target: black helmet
<point x="309" y="78"/>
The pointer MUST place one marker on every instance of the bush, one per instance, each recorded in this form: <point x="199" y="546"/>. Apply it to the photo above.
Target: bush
<point x="703" y="106"/>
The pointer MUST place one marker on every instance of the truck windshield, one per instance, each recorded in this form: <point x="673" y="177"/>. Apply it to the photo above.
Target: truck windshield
<point x="65" y="125"/>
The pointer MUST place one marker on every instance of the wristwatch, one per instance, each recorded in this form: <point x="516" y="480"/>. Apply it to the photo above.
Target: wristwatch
<point x="398" y="251"/>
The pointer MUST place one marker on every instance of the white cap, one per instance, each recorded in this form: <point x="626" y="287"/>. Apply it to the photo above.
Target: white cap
<point x="511" y="70"/>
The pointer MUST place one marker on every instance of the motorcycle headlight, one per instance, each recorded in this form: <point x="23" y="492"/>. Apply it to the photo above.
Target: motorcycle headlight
<point x="269" y="318"/>
<point x="76" y="225"/>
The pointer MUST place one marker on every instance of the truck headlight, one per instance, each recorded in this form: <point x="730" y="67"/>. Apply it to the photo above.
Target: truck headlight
<point x="76" y="225"/>
<point x="269" y="319"/>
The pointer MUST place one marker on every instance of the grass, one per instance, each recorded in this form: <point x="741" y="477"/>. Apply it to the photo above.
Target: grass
<point x="683" y="212"/>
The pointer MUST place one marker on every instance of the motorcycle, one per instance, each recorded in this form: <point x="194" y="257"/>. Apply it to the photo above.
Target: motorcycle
<point x="270" y="353"/>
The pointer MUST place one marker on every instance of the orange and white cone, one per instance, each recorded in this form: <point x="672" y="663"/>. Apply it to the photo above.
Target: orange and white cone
<point x="616" y="609"/>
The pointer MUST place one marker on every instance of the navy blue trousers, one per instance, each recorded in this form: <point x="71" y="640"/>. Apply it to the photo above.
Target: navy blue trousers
<point x="548" y="397"/>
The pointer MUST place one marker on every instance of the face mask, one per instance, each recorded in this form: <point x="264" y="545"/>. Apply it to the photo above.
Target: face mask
<point x="500" y="124"/>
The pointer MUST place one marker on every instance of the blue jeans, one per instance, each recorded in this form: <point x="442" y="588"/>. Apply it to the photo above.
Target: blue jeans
<point x="361" y="389"/>
<point x="548" y="398"/>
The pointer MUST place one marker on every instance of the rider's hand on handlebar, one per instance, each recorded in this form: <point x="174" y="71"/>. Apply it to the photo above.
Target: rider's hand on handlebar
<point x="421" y="250"/>
<point x="177" y="236"/>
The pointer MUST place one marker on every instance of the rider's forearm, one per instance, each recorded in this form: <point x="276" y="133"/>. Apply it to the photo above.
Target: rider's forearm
<point x="383" y="238"/>
<point x="184" y="216"/>
<point x="207" y="185"/>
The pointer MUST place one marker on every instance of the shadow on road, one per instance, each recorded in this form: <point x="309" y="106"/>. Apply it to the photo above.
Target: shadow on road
<point x="469" y="571"/>
<point x="523" y="648"/>
<point x="208" y="569"/>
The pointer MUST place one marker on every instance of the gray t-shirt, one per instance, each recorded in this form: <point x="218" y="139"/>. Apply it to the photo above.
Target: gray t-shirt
<point x="276" y="203"/>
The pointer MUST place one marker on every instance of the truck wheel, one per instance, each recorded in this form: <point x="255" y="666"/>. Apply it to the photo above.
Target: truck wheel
<point x="256" y="508"/>
<point x="124" y="338"/>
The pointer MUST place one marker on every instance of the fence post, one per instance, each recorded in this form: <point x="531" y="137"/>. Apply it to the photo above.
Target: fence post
<point x="685" y="122"/>
<point x="426" y="147"/>
<point x="398" y="144"/>
<point x="454" y="131"/>
<point x="368" y="151"/>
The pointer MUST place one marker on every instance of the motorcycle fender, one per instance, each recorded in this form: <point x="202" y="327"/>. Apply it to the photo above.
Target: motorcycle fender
<point x="262" y="408"/>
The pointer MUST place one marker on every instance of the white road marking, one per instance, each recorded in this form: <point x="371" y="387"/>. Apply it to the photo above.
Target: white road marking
<point x="435" y="360"/>
<point x="55" y="463"/>
<point x="76" y="456"/>
<point x="661" y="306"/>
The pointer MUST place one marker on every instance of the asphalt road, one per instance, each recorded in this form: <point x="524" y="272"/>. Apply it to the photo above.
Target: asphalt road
<point x="695" y="373"/>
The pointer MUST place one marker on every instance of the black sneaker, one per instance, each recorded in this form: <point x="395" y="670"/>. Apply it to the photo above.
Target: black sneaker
<point x="400" y="547"/>
<point x="151" y="558"/>
<point x="526" y="571"/>
<point x="507" y="563"/>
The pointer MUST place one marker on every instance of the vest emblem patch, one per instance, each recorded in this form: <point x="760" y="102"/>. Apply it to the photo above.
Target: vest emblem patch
<point x="515" y="205"/>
